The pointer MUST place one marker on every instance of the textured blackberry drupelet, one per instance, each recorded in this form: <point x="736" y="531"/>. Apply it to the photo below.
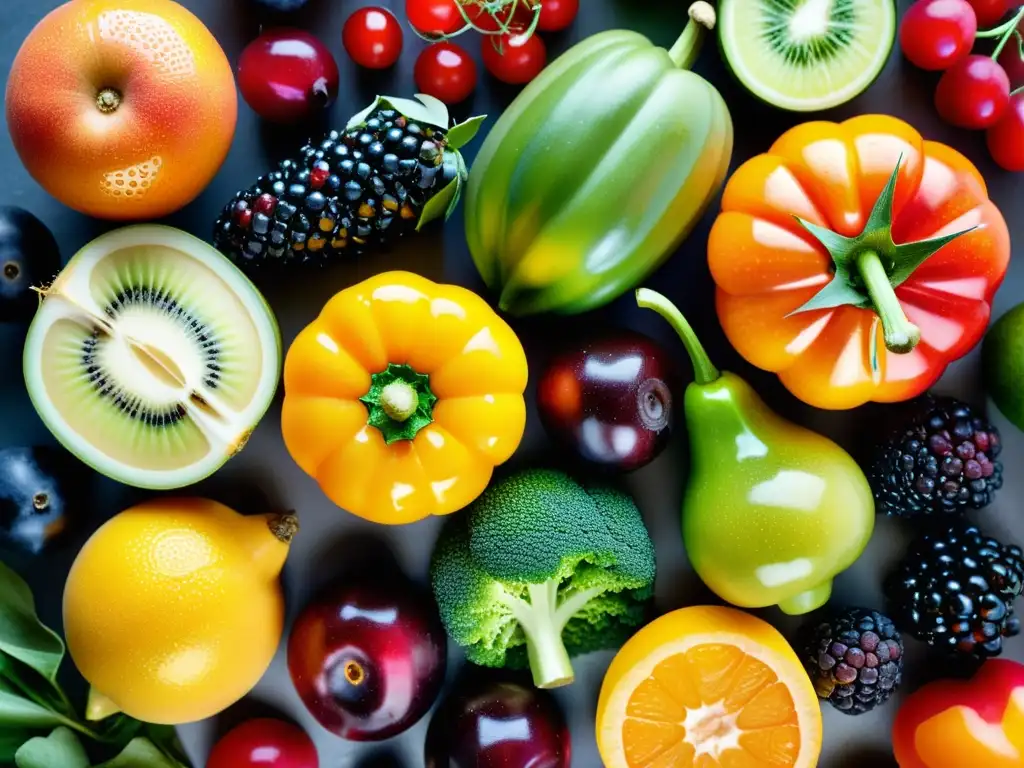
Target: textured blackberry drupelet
<point x="854" y="657"/>
<point x="354" y="192"/>
<point x="955" y="589"/>
<point x="942" y="461"/>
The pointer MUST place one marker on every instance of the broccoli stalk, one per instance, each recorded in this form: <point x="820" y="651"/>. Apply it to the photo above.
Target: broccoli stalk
<point x="540" y="569"/>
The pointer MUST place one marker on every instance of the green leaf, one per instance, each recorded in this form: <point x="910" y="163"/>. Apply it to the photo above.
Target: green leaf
<point x="358" y="119"/>
<point x="118" y="730"/>
<point x="24" y="681"/>
<point x="61" y="748"/>
<point x="22" y="635"/>
<point x="909" y="256"/>
<point x="441" y="204"/>
<point x="881" y="214"/>
<point x="18" y="712"/>
<point x="460" y="135"/>
<point x="837" y="293"/>
<point x="11" y="740"/>
<point x="141" y="753"/>
<point x="165" y="737"/>
<point x="427" y="110"/>
<point x="841" y="249"/>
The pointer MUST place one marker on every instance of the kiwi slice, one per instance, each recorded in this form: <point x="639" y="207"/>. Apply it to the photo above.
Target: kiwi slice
<point x="806" y="55"/>
<point x="152" y="358"/>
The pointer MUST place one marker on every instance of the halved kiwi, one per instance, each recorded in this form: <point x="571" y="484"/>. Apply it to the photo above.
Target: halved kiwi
<point x="152" y="357"/>
<point x="806" y="55"/>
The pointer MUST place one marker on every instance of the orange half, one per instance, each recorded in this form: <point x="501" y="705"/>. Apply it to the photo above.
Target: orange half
<point x="708" y="687"/>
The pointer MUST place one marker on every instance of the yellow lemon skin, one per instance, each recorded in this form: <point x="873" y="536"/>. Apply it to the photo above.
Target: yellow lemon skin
<point x="173" y="609"/>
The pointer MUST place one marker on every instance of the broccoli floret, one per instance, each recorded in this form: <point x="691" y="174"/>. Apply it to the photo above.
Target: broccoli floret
<point x="541" y="564"/>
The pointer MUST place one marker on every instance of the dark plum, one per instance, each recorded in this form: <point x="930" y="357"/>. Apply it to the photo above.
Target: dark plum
<point x="610" y="399"/>
<point x="498" y="724"/>
<point x="34" y="497"/>
<point x="368" y="660"/>
<point x="29" y="258"/>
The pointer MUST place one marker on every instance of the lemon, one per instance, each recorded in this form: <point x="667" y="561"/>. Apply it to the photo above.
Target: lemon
<point x="173" y="609"/>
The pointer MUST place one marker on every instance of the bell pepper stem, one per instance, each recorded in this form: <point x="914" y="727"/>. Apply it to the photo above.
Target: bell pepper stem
<point x="686" y="49"/>
<point x="901" y="335"/>
<point x="704" y="371"/>
<point x="399" y="400"/>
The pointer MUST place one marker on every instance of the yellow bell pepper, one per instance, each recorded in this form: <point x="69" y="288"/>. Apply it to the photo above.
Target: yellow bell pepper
<point x="402" y="397"/>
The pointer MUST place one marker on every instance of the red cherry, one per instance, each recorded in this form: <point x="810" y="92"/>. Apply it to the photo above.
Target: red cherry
<point x="973" y="93"/>
<point x="287" y="75"/>
<point x="264" y="743"/>
<point x="373" y="38"/>
<point x="1011" y="58"/>
<point x="934" y="34"/>
<point x="1006" y="138"/>
<point x="989" y="12"/>
<point x="446" y="72"/>
<point x="556" y="15"/>
<point x="514" y="59"/>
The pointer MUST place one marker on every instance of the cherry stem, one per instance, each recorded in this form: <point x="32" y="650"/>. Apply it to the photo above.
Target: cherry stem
<point x="1015" y="91"/>
<point x="1006" y="30"/>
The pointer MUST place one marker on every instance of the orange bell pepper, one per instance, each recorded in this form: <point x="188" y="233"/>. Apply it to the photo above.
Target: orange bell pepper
<point x="965" y="724"/>
<point x="402" y="396"/>
<point x="825" y="277"/>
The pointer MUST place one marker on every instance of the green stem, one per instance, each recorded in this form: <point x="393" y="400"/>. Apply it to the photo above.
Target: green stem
<point x="686" y="49"/>
<point x="1015" y="91"/>
<point x="901" y="335"/>
<point x="549" y="660"/>
<point x="704" y="371"/>
<point x="1007" y="34"/>
<point x="1002" y="29"/>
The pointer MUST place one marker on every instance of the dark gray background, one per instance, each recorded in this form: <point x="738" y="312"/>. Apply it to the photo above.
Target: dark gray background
<point x="333" y="541"/>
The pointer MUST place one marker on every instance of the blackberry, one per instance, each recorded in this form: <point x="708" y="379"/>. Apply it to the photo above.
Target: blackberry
<point x="943" y="460"/>
<point x="394" y="168"/>
<point x="955" y="588"/>
<point x="854" y="658"/>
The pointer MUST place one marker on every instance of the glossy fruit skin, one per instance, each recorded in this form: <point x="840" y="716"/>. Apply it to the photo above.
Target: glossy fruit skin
<point x="934" y="34"/>
<point x="434" y="17"/>
<point x="1012" y="61"/>
<point x="1005" y="139"/>
<point x="556" y="15"/>
<point x="764" y="266"/>
<point x="373" y="38"/>
<point x="168" y="135"/>
<point x="36" y="497"/>
<point x="679" y="630"/>
<point x="29" y="258"/>
<point x="954" y="723"/>
<point x="973" y="93"/>
<point x="610" y="399"/>
<point x="368" y="660"/>
<point x="514" y="59"/>
<point x="446" y="72"/>
<point x="542" y="239"/>
<point x="989" y="12"/>
<point x="287" y="75"/>
<point x="1002" y="356"/>
<point x="477" y="421"/>
<point x="496" y="724"/>
<point x="157" y="657"/>
<point x="264" y="743"/>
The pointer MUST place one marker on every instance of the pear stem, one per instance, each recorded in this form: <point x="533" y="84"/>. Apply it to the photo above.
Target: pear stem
<point x="704" y="371"/>
<point x="686" y="49"/>
<point x="901" y="335"/>
<point x="284" y="527"/>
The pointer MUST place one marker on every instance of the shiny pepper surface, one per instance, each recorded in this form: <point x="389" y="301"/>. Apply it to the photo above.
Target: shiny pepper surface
<point x="847" y="304"/>
<point x="402" y="396"/>
<point x="965" y="724"/>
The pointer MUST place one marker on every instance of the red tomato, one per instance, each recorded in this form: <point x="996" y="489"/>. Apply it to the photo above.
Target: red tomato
<point x="556" y="15"/>
<point x="935" y="34"/>
<point x="973" y="93"/>
<point x="1006" y="138"/>
<point x="487" y="21"/>
<point x="434" y="17"/>
<point x="446" y="72"/>
<point x="989" y="12"/>
<point x="264" y="743"/>
<point x="514" y="59"/>
<point x="373" y="38"/>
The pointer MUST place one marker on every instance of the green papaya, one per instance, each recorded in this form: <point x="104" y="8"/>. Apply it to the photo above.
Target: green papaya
<point x="597" y="171"/>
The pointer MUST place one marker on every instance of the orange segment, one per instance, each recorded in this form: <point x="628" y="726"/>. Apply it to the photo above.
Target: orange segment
<point x="708" y="688"/>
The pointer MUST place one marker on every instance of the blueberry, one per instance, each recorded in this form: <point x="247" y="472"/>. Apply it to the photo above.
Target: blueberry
<point x="29" y="258"/>
<point x="34" y="496"/>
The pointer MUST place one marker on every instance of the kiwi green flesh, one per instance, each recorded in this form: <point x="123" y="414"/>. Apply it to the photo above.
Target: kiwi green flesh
<point x="154" y="366"/>
<point x="807" y="54"/>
